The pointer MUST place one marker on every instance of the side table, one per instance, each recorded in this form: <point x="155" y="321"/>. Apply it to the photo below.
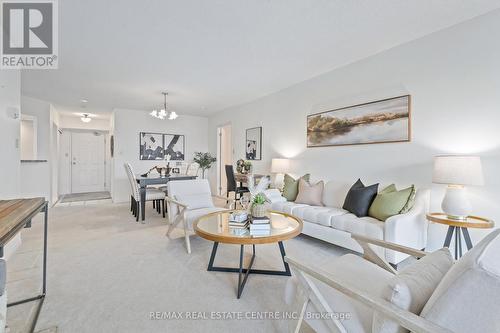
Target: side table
<point x="459" y="228"/>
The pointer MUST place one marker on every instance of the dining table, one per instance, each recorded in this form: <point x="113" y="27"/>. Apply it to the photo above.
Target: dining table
<point x="145" y="181"/>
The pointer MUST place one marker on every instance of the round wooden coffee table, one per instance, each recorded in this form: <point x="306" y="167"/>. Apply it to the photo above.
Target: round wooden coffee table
<point x="214" y="227"/>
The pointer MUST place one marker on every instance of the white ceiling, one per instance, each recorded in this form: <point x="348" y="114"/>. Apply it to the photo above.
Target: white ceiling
<point x="213" y="54"/>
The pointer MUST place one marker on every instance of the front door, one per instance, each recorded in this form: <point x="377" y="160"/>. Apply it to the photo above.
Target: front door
<point x="87" y="162"/>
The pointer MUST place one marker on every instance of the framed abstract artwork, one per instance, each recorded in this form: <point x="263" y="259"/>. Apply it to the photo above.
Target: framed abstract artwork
<point x="151" y="146"/>
<point x="174" y="146"/>
<point x="387" y="120"/>
<point x="253" y="143"/>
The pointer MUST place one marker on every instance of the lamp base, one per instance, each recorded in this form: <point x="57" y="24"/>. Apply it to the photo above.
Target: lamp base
<point x="455" y="203"/>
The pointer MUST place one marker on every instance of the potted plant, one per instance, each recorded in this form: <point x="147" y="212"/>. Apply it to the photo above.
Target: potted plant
<point x="258" y="207"/>
<point x="204" y="160"/>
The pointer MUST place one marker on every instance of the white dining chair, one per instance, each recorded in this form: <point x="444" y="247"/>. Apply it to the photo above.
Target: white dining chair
<point x="152" y="194"/>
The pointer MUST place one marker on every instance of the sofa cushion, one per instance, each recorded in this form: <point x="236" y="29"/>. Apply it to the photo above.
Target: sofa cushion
<point x="360" y="274"/>
<point x="466" y="300"/>
<point x="286" y="207"/>
<point x="310" y="194"/>
<point x="364" y="226"/>
<point x="412" y="287"/>
<point x="359" y="198"/>
<point x="318" y="214"/>
<point x="389" y="202"/>
<point x="291" y="186"/>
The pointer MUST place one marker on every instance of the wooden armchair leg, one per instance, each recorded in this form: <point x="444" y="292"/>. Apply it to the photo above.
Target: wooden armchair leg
<point x="186" y="237"/>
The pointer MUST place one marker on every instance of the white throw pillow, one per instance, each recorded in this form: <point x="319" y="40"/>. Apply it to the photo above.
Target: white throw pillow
<point x="412" y="287"/>
<point x="196" y="201"/>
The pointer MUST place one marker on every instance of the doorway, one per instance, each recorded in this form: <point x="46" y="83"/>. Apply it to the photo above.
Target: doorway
<point x="87" y="162"/>
<point x="224" y="156"/>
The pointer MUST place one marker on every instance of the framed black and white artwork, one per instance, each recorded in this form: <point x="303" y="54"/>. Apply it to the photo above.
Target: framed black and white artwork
<point x="174" y="146"/>
<point x="253" y="143"/>
<point x="151" y="146"/>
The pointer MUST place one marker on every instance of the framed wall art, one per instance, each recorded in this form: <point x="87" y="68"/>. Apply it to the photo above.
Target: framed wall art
<point x="387" y="120"/>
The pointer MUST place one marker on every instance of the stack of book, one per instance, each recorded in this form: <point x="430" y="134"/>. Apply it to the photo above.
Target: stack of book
<point x="238" y="223"/>
<point x="260" y="226"/>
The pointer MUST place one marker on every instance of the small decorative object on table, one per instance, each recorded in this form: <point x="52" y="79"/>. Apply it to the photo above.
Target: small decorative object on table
<point x="258" y="207"/>
<point x="243" y="167"/>
<point x="238" y="222"/>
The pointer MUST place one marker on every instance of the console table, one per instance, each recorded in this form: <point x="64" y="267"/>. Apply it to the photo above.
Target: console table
<point x="14" y="216"/>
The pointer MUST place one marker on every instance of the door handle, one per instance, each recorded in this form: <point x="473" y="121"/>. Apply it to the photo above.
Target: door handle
<point x="74" y="163"/>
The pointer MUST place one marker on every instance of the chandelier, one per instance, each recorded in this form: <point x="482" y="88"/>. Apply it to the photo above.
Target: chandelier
<point x="163" y="113"/>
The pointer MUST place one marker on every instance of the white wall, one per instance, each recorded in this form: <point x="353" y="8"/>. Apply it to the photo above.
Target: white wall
<point x="10" y="103"/>
<point x="36" y="177"/>
<point x="127" y="124"/>
<point x="453" y="77"/>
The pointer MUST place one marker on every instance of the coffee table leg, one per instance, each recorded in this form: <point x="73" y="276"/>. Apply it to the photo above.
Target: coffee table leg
<point x="244" y="272"/>
<point x="241" y="284"/>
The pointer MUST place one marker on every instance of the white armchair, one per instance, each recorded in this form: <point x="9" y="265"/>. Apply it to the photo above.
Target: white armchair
<point x="431" y="295"/>
<point x="187" y="201"/>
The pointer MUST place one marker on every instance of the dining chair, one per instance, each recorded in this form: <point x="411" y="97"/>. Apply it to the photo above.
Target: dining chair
<point x="231" y="184"/>
<point x="152" y="194"/>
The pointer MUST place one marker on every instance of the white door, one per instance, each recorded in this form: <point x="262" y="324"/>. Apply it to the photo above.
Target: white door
<point x="87" y="162"/>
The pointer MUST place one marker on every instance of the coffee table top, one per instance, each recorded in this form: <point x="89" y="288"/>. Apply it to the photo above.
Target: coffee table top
<point x="215" y="227"/>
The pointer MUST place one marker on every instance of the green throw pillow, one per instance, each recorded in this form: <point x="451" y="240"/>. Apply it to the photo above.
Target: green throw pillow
<point x="389" y="202"/>
<point x="410" y="202"/>
<point x="291" y="186"/>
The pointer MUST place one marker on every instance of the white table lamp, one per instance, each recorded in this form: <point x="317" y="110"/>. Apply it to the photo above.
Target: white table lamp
<point x="279" y="166"/>
<point x="456" y="171"/>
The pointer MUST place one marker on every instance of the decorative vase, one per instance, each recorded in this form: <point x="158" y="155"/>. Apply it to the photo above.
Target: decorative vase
<point x="258" y="210"/>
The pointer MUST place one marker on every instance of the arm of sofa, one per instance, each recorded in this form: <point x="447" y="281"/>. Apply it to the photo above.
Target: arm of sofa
<point x="408" y="229"/>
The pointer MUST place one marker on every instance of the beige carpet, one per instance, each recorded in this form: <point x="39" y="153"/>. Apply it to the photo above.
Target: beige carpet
<point x="107" y="273"/>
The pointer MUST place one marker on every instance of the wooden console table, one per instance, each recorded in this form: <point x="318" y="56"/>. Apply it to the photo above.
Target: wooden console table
<point x="14" y="216"/>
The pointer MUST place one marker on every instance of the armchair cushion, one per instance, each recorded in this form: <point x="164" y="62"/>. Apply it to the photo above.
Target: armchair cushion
<point x="412" y="287"/>
<point x="195" y="214"/>
<point x="358" y="272"/>
<point x="466" y="300"/>
<point x="195" y="201"/>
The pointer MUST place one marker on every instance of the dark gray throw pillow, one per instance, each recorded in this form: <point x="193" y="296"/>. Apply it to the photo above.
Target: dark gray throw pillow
<point x="359" y="198"/>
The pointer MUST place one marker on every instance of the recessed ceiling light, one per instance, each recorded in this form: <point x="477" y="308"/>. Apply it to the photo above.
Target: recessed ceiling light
<point x="84" y="101"/>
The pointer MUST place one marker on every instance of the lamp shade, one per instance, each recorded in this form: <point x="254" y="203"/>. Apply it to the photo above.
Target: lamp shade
<point x="458" y="170"/>
<point x="280" y="165"/>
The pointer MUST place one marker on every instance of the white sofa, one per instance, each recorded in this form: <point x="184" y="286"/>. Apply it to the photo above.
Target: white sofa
<point x="333" y="224"/>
